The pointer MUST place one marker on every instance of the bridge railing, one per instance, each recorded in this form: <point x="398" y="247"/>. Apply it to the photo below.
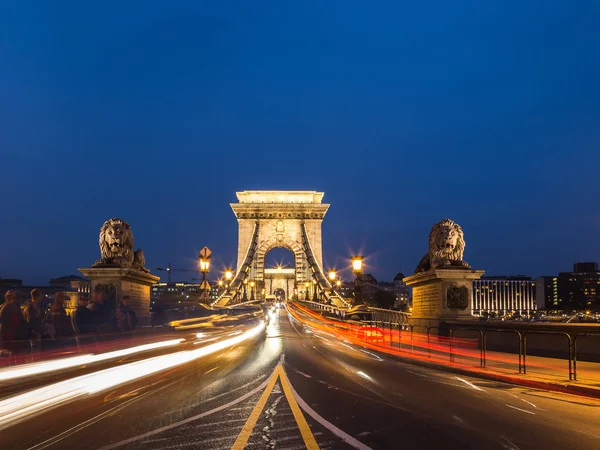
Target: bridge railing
<point x="389" y="315"/>
<point x="377" y="314"/>
<point x="445" y="337"/>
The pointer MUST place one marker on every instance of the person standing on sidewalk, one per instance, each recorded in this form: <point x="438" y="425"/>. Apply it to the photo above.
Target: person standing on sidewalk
<point x="33" y="316"/>
<point x="59" y="320"/>
<point x="126" y="318"/>
<point x="104" y="320"/>
<point x="83" y="318"/>
<point x="11" y="324"/>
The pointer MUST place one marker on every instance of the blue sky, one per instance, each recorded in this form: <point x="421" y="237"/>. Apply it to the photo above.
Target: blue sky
<point x="403" y="113"/>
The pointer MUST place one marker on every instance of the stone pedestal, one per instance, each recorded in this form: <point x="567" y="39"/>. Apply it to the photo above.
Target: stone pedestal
<point x="442" y="294"/>
<point x="119" y="282"/>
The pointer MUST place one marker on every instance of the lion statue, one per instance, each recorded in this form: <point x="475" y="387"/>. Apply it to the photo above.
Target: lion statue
<point x="139" y="261"/>
<point x="446" y="247"/>
<point x="116" y="243"/>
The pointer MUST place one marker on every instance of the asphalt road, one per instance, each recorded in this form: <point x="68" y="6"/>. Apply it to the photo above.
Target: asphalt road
<point x="250" y="394"/>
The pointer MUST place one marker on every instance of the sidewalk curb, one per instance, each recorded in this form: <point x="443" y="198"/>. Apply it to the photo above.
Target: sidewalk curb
<point x="565" y="387"/>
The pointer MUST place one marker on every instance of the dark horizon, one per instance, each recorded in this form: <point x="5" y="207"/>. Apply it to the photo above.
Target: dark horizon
<point x="486" y="113"/>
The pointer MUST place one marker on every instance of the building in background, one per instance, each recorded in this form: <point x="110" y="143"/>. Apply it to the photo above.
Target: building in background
<point x="580" y="289"/>
<point x="73" y="286"/>
<point x="400" y="290"/>
<point x="546" y="293"/>
<point x="504" y="296"/>
<point x="179" y="294"/>
<point x="368" y="286"/>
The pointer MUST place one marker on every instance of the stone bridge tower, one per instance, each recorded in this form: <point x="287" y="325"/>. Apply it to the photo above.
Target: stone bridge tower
<point x="290" y="219"/>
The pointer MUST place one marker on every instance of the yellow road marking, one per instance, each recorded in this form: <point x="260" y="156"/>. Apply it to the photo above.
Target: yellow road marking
<point x="242" y="439"/>
<point x="307" y="436"/>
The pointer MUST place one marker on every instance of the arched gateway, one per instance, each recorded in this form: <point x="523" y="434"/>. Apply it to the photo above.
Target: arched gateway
<point x="269" y="219"/>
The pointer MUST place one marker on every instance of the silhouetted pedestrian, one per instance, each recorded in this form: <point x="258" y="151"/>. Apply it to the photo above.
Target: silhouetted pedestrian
<point x="11" y="323"/>
<point x="33" y="315"/>
<point x="103" y="318"/>
<point x="126" y="318"/>
<point x="59" y="319"/>
<point x="83" y="319"/>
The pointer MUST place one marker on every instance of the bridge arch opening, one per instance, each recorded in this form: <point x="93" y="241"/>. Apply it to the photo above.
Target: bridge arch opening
<point x="280" y="257"/>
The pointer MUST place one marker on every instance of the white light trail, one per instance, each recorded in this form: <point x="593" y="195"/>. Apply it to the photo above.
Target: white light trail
<point x="19" y="407"/>
<point x="67" y="363"/>
<point x="477" y="388"/>
<point x="364" y="375"/>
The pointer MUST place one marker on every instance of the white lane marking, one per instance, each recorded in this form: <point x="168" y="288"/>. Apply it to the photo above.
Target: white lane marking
<point x="224" y="393"/>
<point x="477" y="388"/>
<point x="417" y="373"/>
<point x="512" y="445"/>
<point x="331" y="427"/>
<point x="372" y="354"/>
<point x="519" y="409"/>
<point x="459" y="420"/>
<point x="523" y="400"/>
<point x="301" y="373"/>
<point x="257" y="389"/>
<point x="364" y="375"/>
<point x="81" y="426"/>
<point x="588" y="434"/>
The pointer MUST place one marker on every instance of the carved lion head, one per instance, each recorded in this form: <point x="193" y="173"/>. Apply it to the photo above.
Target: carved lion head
<point x="116" y="242"/>
<point x="446" y="242"/>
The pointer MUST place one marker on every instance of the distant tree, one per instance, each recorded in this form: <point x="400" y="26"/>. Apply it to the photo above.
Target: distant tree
<point x="383" y="299"/>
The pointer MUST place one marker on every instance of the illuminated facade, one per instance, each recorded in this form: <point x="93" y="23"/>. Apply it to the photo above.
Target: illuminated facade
<point x="580" y="289"/>
<point x="504" y="296"/>
<point x="547" y="293"/>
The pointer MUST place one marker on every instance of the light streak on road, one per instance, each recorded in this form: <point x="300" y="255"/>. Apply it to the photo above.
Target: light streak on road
<point x="477" y="388"/>
<point x="520" y="409"/>
<point x="17" y="408"/>
<point x="364" y="375"/>
<point x="67" y="363"/>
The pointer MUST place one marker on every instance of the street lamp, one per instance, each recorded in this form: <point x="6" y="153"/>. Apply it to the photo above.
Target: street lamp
<point x="307" y="296"/>
<point x="357" y="267"/>
<point x="228" y="276"/>
<point x="332" y="277"/>
<point x="252" y="290"/>
<point x="357" y="262"/>
<point x="315" y="299"/>
<point x="204" y="268"/>
<point x="245" y="296"/>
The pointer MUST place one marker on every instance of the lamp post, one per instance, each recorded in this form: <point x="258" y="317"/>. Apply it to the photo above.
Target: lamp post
<point x="252" y="290"/>
<point x="245" y="296"/>
<point x="315" y="299"/>
<point x="307" y="296"/>
<point x="204" y="263"/>
<point x="332" y="277"/>
<point x="228" y="276"/>
<point x="357" y="263"/>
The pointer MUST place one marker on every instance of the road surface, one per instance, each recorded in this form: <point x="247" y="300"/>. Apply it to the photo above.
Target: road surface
<point x="294" y="387"/>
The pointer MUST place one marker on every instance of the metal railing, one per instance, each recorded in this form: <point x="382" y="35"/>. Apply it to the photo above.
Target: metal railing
<point x="450" y="339"/>
<point x="389" y="315"/>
